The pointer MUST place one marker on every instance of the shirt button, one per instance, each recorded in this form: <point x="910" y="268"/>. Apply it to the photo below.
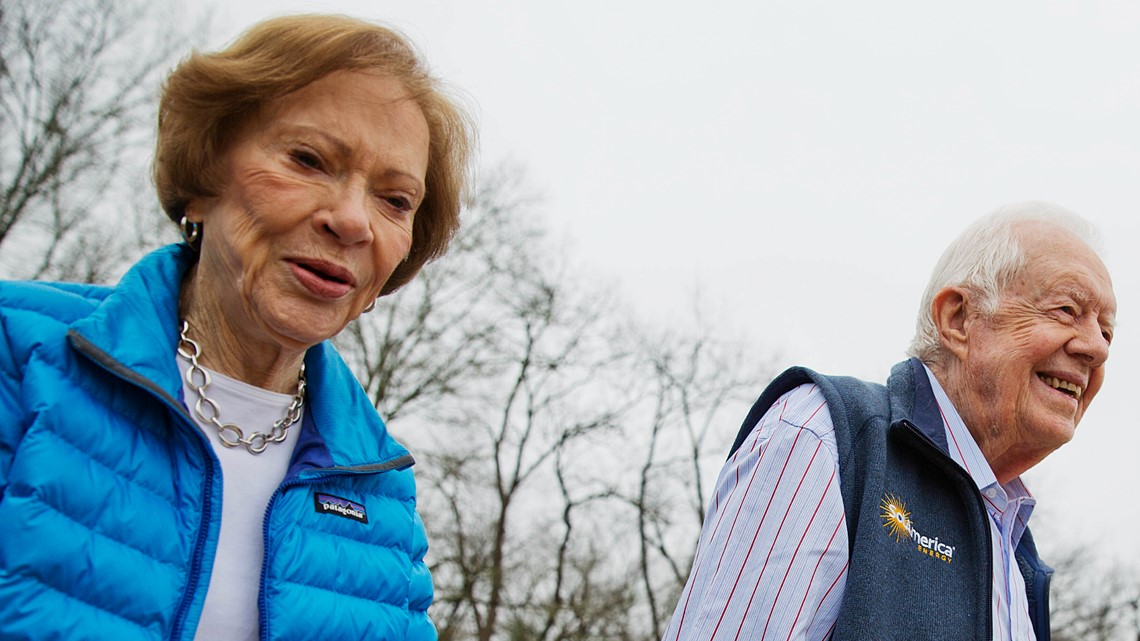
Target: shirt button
<point x="991" y="492"/>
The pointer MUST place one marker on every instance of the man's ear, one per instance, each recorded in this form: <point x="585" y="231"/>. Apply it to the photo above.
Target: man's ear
<point x="951" y="309"/>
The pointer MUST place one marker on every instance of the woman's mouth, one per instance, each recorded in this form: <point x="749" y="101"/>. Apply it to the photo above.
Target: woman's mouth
<point x="323" y="279"/>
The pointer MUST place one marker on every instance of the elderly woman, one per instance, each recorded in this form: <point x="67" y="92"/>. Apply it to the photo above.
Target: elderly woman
<point x="185" y="456"/>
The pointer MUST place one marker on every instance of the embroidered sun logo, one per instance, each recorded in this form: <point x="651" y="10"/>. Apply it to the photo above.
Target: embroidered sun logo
<point x="895" y="517"/>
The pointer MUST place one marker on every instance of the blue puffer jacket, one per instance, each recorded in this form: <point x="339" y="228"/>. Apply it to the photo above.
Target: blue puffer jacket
<point x="110" y="496"/>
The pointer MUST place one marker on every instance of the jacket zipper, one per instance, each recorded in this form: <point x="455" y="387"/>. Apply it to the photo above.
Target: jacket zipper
<point x="192" y="580"/>
<point x="117" y="369"/>
<point x="308" y="477"/>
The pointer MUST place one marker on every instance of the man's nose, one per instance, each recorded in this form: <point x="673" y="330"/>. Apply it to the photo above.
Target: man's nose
<point x="1090" y="342"/>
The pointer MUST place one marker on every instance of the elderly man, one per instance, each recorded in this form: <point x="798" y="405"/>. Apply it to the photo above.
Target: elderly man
<point x="850" y="510"/>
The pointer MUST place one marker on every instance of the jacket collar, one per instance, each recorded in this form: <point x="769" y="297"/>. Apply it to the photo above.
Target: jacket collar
<point x="136" y="324"/>
<point x="340" y="415"/>
<point x="134" y="331"/>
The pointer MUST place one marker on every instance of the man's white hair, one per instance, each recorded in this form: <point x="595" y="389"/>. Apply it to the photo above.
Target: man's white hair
<point x="986" y="258"/>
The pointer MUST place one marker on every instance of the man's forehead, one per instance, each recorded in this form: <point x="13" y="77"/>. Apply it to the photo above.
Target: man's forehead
<point x="1081" y="287"/>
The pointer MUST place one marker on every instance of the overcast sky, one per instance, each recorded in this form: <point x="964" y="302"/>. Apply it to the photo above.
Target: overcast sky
<point x="803" y="164"/>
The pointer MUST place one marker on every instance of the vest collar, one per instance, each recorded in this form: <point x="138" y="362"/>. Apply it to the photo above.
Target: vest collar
<point x="913" y="399"/>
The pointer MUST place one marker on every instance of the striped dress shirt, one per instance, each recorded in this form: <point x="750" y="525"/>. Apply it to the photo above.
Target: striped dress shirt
<point x="771" y="561"/>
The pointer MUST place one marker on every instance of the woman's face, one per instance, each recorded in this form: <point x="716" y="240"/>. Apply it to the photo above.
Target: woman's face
<point x="323" y="187"/>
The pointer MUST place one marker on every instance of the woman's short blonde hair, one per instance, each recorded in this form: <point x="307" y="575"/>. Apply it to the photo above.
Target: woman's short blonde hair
<point x="209" y="96"/>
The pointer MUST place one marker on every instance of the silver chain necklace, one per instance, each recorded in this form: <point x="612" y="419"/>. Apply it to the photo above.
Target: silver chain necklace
<point x="207" y="409"/>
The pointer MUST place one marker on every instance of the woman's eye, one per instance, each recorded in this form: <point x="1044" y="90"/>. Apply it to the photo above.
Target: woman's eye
<point x="1067" y="310"/>
<point x="307" y="159"/>
<point x="399" y="202"/>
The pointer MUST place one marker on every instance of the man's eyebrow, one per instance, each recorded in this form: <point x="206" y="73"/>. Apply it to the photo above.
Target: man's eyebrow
<point x="1086" y="298"/>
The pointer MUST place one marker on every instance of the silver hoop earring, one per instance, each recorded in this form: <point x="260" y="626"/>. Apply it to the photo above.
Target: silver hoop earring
<point x="190" y="231"/>
<point x="371" y="306"/>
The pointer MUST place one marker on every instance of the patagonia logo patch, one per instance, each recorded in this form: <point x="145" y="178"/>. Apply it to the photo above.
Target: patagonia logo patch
<point x="896" y="519"/>
<point x="329" y="504"/>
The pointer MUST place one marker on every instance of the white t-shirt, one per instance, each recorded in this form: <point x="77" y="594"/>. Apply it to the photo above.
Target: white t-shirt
<point x="249" y="480"/>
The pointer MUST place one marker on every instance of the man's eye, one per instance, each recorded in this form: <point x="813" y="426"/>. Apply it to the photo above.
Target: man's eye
<point x="1068" y="310"/>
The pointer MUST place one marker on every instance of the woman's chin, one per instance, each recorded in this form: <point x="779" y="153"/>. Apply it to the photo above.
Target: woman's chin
<point x="302" y="324"/>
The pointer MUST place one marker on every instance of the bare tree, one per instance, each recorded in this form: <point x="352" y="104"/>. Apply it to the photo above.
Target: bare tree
<point x="78" y="82"/>
<point x="1092" y="600"/>
<point x="540" y="387"/>
<point x="699" y="387"/>
<point x="428" y="341"/>
<point x="525" y="395"/>
<point x="566" y="450"/>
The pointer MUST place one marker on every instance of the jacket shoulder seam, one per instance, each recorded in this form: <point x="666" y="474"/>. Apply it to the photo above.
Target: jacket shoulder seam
<point x="388" y="546"/>
<point x="76" y="597"/>
<point x="173" y="566"/>
<point x="374" y="602"/>
<point x="117" y="473"/>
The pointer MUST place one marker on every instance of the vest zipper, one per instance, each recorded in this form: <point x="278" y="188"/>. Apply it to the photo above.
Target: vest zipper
<point x="1041" y="580"/>
<point x="964" y="477"/>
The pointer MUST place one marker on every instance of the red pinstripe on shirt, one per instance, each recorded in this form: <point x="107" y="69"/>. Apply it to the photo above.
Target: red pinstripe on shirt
<point x="794" y="594"/>
<point x="762" y="545"/>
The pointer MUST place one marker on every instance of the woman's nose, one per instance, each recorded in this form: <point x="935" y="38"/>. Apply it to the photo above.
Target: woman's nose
<point x="347" y="218"/>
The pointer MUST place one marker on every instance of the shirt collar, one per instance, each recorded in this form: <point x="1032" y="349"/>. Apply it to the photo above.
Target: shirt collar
<point x="963" y="449"/>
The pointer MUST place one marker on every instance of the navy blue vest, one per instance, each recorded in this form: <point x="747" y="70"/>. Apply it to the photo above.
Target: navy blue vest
<point x="918" y="529"/>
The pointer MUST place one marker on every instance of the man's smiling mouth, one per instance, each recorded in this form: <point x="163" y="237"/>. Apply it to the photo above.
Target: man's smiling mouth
<point x="1072" y="389"/>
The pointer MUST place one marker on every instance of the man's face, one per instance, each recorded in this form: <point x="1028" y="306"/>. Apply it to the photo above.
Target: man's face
<point x="1033" y="367"/>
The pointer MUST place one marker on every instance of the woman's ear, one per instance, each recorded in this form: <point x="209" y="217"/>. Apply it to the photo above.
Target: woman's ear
<point x="193" y="210"/>
<point x="951" y="309"/>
